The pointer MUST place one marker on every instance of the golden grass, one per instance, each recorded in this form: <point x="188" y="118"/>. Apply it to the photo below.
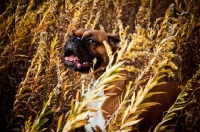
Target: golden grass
<point x="32" y="39"/>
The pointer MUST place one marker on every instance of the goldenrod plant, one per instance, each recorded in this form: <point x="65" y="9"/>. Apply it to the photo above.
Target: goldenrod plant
<point x="178" y="105"/>
<point x="39" y="120"/>
<point x="160" y="42"/>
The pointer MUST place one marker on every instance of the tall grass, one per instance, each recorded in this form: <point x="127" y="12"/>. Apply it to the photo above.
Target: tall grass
<point x="48" y="97"/>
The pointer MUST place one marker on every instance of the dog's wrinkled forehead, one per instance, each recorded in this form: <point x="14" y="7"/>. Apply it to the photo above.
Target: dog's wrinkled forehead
<point x="80" y="33"/>
<point x="94" y="34"/>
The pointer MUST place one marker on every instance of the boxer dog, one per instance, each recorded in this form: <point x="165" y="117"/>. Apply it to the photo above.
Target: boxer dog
<point x="80" y="51"/>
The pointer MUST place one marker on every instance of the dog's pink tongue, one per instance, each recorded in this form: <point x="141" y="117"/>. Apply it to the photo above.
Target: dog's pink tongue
<point x="75" y="59"/>
<point x="78" y="64"/>
<point x="72" y="58"/>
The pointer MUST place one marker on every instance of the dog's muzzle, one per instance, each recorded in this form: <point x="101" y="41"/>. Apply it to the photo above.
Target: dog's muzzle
<point x="76" y="55"/>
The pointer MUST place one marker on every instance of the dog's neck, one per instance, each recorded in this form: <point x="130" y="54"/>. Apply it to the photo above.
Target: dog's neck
<point x="96" y="74"/>
<point x="98" y="118"/>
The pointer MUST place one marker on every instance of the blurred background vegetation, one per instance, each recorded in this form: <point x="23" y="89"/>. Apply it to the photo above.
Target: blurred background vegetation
<point x="35" y="88"/>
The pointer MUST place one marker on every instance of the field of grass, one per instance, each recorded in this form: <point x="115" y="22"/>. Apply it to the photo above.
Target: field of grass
<point x="160" y="41"/>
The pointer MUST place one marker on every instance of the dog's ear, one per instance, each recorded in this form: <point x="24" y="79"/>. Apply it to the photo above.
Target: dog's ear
<point x="114" y="40"/>
<point x="79" y="33"/>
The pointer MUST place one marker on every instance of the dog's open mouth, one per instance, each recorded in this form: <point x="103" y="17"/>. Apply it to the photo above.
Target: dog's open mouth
<point x="72" y="60"/>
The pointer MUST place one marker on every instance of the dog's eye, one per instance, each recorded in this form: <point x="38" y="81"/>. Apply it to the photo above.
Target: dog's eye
<point x="90" y="40"/>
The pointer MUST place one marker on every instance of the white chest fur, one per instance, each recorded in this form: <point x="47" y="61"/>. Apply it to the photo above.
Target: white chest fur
<point x="96" y="118"/>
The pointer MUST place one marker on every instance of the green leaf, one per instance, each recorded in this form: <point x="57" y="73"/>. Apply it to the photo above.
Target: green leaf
<point x="148" y="104"/>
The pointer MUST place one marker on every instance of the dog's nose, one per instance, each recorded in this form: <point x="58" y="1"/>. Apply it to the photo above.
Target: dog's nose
<point x="75" y="39"/>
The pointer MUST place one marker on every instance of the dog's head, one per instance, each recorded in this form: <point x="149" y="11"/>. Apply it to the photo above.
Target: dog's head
<point x="86" y="45"/>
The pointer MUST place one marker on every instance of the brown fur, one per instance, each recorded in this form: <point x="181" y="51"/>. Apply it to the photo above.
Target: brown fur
<point x="154" y="114"/>
<point x="98" y="36"/>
